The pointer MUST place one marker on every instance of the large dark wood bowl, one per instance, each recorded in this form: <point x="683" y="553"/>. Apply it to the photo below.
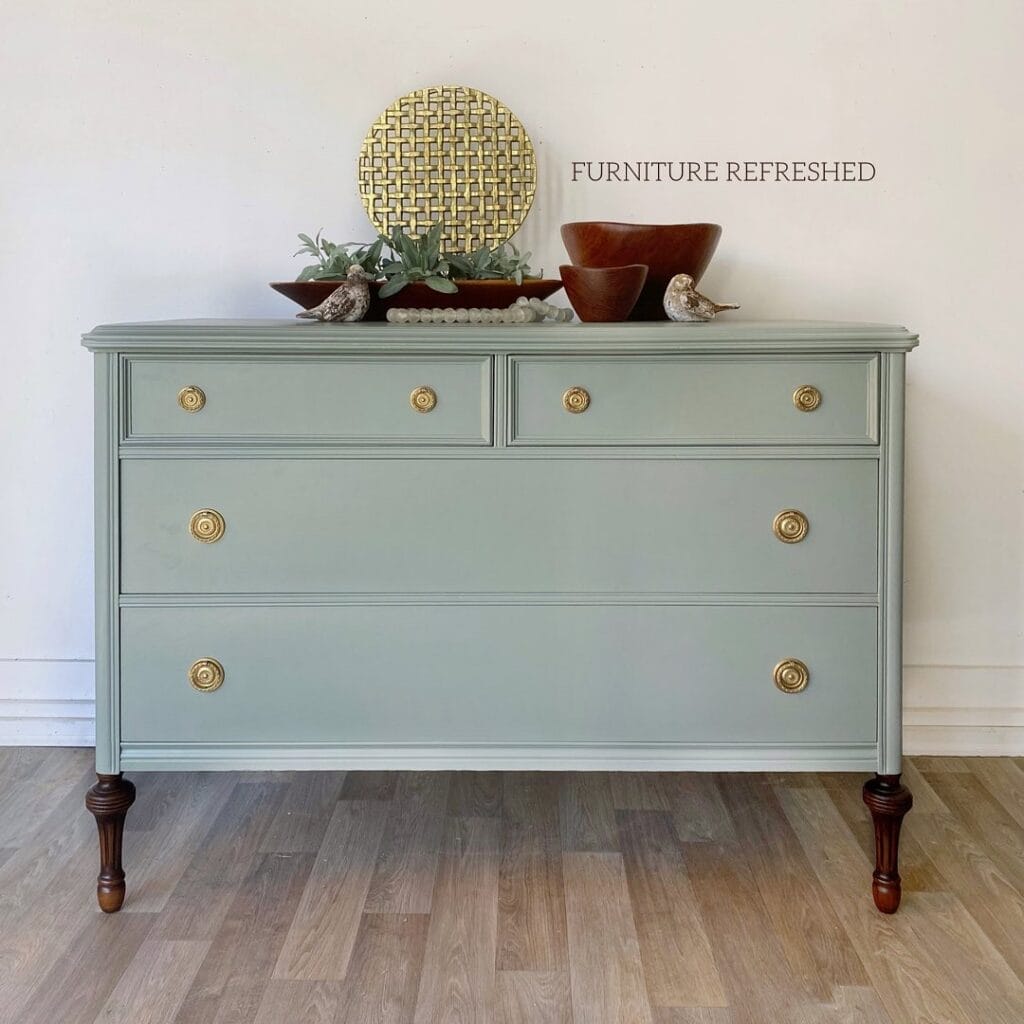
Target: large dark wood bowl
<point x="482" y="294"/>
<point x="667" y="249"/>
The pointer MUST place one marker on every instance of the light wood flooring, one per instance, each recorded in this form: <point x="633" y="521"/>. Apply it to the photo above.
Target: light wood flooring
<point x="379" y="898"/>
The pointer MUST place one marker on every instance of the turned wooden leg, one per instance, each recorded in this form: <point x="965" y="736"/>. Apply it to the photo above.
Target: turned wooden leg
<point x="109" y="801"/>
<point x="888" y="802"/>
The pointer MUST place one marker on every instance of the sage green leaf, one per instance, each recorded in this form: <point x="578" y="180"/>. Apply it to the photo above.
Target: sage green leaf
<point x="393" y="285"/>
<point x="462" y="266"/>
<point x="441" y="284"/>
<point x="403" y="244"/>
<point x="371" y="259"/>
<point x="432" y="248"/>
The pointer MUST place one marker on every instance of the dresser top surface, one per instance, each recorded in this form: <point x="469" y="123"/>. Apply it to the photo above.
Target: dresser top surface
<point x="302" y="336"/>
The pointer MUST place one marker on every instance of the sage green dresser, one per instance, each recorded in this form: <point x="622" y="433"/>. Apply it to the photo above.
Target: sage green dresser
<point x="625" y="546"/>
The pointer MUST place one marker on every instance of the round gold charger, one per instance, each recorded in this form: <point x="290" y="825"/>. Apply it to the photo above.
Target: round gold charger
<point x="450" y="154"/>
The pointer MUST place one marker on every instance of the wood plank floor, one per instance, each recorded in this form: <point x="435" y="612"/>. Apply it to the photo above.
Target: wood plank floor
<point x="511" y="898"/>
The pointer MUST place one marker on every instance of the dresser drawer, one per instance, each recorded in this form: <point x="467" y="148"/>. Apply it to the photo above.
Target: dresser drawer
<point x="494" y="674"/>
<point x="674" y="400"/>
<point x="356" y="399"/>
<point x="500" y="525"/>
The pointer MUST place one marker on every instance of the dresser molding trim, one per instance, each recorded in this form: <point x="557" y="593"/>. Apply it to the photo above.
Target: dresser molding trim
<point x="253" y="338"/>
<point x="491" y="757"/>
<point x="304" y="450"/>
<point x="279" y="600"/>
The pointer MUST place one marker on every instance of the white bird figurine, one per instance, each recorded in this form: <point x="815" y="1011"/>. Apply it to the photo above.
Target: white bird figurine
<point x="684" y="303"/>
<point x="347" y="303"/>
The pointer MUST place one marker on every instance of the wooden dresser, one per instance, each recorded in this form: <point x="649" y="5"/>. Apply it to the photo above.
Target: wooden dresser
<point x="637" y="546"/>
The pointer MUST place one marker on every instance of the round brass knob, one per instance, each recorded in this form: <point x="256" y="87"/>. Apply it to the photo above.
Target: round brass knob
<point x="206" y="675"/>
<point x="191" y="399"/>
<point x="791" y="676"/>
<point x="790" y="526"/>
<point x="807" y="398"/>
<point x="423" y="399"/>
<point x="576" y="400"/>
<point x="206" y="525"/>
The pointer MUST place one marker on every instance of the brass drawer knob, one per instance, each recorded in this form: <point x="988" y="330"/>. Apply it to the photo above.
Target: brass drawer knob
<point x="791" y="676"/>
<point x="206" y="525"/>
<point x="807" y="398"/>
<point x="790" y="526"/>
<point x="206" y="675"/>
<point x="576" y="400"/>
<point x="423" y="399"/>
<point x="191" y="399"/>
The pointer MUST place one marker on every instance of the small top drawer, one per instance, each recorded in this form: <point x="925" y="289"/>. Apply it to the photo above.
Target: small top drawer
<point x="677" y="400"/>
<point x="348" y="399"/>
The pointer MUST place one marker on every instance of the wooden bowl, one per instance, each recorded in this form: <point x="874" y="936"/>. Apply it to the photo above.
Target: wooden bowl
<point x="483" y="294"/>
<point x="603" y="294"/>
<point x="666" y="249"/>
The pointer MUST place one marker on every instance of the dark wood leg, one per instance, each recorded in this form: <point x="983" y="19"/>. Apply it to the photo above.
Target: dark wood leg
<point x="888" y="802"/>
<point x="109" y="801"/>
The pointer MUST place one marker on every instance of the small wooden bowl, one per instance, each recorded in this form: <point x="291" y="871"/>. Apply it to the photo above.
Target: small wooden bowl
<point x="603" y="294"/>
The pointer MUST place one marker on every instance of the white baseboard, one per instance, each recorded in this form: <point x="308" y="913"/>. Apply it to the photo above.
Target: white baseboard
<point x="46" y="703"/>
<point x="963" y="711"/>
<point x="952" y="710"/>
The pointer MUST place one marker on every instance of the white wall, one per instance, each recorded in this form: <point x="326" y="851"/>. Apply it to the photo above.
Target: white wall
<point x="156" y="160"/>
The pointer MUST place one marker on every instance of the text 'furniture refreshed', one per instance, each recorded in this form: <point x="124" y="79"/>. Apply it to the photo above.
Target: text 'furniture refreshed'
<point x="638" y="546"/>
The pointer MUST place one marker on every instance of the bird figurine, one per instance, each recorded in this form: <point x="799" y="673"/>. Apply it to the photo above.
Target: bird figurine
<point x="684" y="303"/>
<point x="347" y="303"/>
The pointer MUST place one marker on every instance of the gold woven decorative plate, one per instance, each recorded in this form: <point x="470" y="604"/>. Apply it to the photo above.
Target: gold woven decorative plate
<point x="450" y="154"/>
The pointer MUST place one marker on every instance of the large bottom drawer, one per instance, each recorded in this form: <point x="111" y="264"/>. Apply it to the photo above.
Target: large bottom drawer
<point x="498" y="674"/>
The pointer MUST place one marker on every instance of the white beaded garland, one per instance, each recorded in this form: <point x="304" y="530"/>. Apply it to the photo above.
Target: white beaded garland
<point x="522" y="311"/>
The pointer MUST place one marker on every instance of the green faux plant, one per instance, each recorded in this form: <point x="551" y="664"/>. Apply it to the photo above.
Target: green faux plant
<point x="401" y="259"/>
<point x="333" y="261"/>
<point x="502" y="263"/>
<point x="415" y="259"/>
